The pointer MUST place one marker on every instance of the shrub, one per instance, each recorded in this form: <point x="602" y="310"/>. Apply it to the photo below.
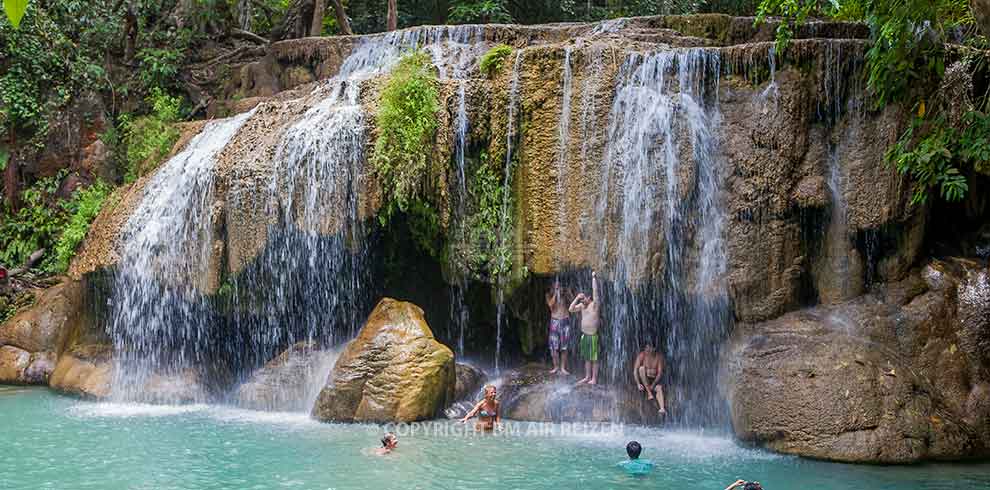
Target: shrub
<point x="35" y="225"/>
<point x="407" y="122"/>
<point x="936" y="159"/>
<point x="84" y="206"/>
<point x="149" y="138"/>
<point x="479" y="12"/>
<point x="492" y="61"/>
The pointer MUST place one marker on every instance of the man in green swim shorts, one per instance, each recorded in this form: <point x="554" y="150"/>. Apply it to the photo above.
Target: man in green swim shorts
<point x="590" y="322"/>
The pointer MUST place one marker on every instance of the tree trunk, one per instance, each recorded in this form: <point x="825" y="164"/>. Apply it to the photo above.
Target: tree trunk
<point x="245" y="11"/>
<point x="393" y="15"/>
<point x="342" y="23"/>
<point x="319" y="8"/>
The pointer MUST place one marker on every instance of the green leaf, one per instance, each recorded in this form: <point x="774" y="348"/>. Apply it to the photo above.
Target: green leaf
<point x="15" y="11"/>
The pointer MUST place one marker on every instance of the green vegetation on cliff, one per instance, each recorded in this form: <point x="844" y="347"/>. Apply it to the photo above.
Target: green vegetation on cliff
<point x="45" y="222"/>
<point x="906" y="64"/>
<point x="82" y="208"/>
<point x="491" y="62"/>
<point x="407" y="122"/>
<point x="148" y="139"/>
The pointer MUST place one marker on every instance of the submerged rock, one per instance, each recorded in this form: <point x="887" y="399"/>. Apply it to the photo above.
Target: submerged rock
<point x="393" y="371"/>
<point x="885" y="378"/>
<point x="285" y="382"/>
<point x="529" y="393"/>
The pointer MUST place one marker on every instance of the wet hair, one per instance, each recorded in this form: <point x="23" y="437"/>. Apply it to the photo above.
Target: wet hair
<point x="752" y="485"/>
<point x="633" y="449"/>
<point x="388" y="437"/>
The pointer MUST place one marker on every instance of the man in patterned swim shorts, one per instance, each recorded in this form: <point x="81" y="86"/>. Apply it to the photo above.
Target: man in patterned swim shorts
<point x="559" y="335"/>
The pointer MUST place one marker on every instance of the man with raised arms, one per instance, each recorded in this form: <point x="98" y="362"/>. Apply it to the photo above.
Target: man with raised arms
<point x="590" y="321"/>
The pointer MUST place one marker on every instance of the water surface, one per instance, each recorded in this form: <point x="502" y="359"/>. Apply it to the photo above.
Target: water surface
<point x="51" y="441"/>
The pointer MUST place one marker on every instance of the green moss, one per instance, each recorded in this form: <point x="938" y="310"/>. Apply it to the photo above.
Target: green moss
<point x="709" y="26"/>
<point x="492" y="61"/>
<point x="407" y="123"/>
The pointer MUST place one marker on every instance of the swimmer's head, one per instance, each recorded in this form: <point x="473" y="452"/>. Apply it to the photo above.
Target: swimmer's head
<point x="752" y="485"/>
<point x="633" y="449"/>
<point x="390" y="440"/>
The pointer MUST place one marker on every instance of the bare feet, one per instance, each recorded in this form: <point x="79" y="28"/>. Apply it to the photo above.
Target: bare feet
<point x="565" y="372"/>
<point x="582" y="381"/>
<point x="592" y="382"/>
<point x="662" y="412"/>
<point x="554" y="370"/>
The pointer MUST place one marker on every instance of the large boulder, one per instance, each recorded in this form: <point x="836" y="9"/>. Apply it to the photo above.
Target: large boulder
<point x="530" y="393"/>
<point x="892" y="377"/>
<point x="393" y="371"/>
<point x="84" y="372"/>
<point x="289" y="382"/>
<point x="29" y="341"/>
<point x="36" y="329"/>
<point x="18" y="366"/>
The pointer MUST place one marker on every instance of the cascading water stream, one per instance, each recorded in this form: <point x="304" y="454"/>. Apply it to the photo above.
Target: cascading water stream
<point x="160" y="321"/>
<point x="662" y="177"/>
<point x="563" y="132"/>
<point x="459" y="314"/>
<point x="504" y="228"/>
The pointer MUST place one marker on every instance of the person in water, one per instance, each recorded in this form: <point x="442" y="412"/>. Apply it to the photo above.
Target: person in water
<point x="647" y="371"/>
<point x="634" y="465"/>
<point x="389" y="443"/>
<point x="589" y="309"/>
<point x="745" y="485"/>
<point x="487" y="410"/>
<point x="559" y="334"/>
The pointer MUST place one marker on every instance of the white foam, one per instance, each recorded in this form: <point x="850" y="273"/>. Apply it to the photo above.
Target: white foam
<point x="247" y="416"/>
<point x="124" y="410"/>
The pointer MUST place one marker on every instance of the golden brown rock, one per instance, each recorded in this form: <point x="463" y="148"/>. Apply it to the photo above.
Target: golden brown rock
<point x="88" y="378"/>
<point x="394" y="371"/>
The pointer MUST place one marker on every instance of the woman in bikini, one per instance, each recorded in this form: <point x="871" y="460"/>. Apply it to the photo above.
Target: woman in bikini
<point x="487" y="410"/>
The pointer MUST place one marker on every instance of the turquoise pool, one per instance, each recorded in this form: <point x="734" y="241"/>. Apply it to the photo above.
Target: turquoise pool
<point x="50" y="441"/>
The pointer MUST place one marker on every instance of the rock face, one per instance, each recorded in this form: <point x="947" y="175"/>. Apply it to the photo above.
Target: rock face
<point x="30" y="340"/>
<point x="285" y="383"/>
<point x="898" y="376"/>
<point x="394" y="371"/>
<point x="83" y="372"/>
<point x="529" y="393"/>
<point x="468" y="381"/>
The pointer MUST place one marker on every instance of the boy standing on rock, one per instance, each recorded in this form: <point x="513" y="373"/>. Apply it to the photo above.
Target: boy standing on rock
<point x="590" y="320"/>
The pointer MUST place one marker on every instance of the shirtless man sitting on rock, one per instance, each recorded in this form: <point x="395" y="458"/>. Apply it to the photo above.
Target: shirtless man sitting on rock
<point x="647" y="372"/>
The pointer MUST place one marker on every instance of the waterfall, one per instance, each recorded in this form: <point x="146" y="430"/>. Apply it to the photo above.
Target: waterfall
<point x="504" y="227"/>
<point x="309" y="283"/>
<point x="467" y="53"/>
<point x="564" y="132"/>
<point x="662" y="182"/>
<point x="160" y="322"/>
<point x="458" y="310"/>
